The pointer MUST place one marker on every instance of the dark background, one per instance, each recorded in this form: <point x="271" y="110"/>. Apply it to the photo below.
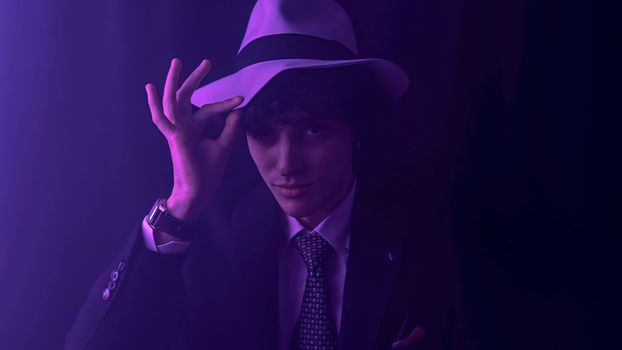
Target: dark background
<point x="503" y="120"/>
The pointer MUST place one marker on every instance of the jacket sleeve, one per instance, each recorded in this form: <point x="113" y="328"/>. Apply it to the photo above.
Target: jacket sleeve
<point x="172" y="247"/>
<point x="136" y="303"/>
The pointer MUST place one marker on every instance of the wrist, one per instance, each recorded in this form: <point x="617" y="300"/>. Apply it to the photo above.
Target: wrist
<point x="160" y="218"/>
<point x="184" y="207"/>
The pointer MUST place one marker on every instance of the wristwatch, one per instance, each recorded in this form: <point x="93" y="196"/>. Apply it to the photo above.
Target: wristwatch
<point x="160" y="219"/>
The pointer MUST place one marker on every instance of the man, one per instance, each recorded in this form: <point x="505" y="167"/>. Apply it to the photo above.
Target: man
<point x="323" y="254"/>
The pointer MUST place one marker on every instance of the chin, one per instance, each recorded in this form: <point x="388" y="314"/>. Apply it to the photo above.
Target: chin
<point x="295" y="207"/>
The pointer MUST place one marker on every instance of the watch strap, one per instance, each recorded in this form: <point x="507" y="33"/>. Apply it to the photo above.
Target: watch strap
<point x="160" y="219"/>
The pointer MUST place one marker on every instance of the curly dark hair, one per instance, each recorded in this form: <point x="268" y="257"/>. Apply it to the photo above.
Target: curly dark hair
<point x="347" y="92"/>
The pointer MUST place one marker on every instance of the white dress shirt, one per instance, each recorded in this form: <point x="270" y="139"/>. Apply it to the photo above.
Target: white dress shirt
<point x="335" y="229"/>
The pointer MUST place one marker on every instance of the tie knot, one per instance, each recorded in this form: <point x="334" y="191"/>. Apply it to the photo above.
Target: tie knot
<point x="313" y="248"/>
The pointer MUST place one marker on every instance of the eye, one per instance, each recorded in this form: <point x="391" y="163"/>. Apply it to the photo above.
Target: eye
<point x="315" y="130"/>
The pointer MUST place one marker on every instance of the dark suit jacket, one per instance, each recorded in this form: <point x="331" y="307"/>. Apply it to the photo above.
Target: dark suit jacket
<point x="401" y="273"/>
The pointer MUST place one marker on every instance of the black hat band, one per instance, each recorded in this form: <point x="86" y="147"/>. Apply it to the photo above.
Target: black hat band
<point x="283" y="46"/>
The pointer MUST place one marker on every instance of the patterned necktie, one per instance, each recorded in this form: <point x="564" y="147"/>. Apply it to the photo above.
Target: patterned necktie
<point x="314" y="329"/>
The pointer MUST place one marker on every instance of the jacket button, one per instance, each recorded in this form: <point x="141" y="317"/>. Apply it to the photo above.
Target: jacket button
<point x="106" y="294"/>
<point x="114" y="275"/>
<point x="121" y="265"/>
<point x="112" y="285"/>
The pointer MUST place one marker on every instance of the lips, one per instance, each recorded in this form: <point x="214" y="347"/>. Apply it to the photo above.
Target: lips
<point x="292" y="190"/>
<point x="292" y="185"/>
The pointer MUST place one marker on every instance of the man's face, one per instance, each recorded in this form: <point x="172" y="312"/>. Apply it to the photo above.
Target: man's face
<point x="306" y="164"/>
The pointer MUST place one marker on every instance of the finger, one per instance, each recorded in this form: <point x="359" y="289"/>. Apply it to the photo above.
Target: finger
<point x="170" y="88"/>
<point x="417" y="334"/>
<point x="192" y="82"/>
<point x="233" y="125"/>
<point x="207" y="112"/>
<point x="155" y="107"/>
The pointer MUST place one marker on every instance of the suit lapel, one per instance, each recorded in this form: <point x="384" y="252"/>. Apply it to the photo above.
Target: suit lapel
<point x="371" y="272"/>
<point x="256" y="228"/>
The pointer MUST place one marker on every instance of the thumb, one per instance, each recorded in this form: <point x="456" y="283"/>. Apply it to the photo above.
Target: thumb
<point x="209" y="111"/>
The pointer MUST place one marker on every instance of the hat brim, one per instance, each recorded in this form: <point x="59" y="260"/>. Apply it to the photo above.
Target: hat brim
<point x="248" y="81"/>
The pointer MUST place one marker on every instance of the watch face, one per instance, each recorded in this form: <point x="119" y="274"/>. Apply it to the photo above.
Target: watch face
<point x="155" y="212"/>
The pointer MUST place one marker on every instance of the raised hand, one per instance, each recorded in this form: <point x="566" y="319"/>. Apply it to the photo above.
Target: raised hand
<point x="198" y="162"/>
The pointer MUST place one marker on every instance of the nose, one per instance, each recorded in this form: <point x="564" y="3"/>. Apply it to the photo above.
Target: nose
<point x="289" y="158"/>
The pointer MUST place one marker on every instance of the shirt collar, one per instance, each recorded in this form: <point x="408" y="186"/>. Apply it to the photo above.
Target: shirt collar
<point x="334" y="228"/>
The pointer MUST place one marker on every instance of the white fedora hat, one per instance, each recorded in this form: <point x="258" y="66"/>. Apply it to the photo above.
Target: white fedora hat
<point x="296" y="34"/>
